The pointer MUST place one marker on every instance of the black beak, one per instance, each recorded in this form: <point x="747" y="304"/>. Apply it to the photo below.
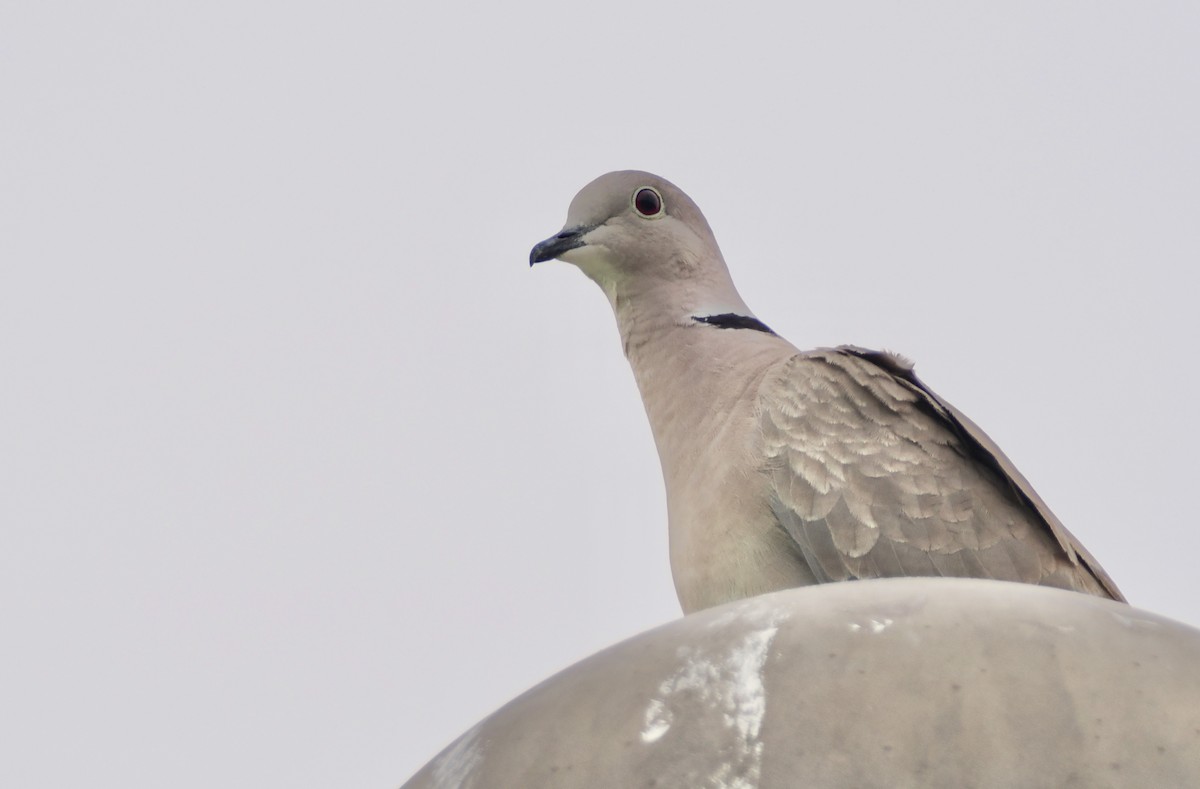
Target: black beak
<point x="571" y="238"/>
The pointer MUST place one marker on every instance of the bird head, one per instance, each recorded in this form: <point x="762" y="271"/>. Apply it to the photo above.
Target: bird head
<point x="633" y="232"/>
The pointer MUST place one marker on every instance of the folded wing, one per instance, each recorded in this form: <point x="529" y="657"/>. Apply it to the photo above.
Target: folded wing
<point x="875" y="476"/>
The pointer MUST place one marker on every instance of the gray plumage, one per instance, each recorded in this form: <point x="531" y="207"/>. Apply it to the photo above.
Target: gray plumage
<point x="786" y="468"/>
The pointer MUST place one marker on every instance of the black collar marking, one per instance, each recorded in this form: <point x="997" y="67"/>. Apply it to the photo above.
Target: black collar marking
<point x="731" y="320"/>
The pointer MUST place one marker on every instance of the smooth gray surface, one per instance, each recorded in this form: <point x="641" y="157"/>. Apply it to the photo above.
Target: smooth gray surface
<point x="892" y="683"/>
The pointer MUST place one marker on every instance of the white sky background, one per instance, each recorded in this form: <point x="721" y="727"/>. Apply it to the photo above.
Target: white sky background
<point x="305" y="471"/>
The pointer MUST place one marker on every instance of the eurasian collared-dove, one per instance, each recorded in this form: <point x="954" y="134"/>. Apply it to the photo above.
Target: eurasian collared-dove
<point x="785" y="467"/>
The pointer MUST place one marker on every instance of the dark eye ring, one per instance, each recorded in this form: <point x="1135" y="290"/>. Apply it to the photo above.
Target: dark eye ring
<point x="648" y="202"/>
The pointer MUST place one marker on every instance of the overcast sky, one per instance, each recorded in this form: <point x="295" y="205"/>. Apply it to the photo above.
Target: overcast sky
<point x="305" y="471"/>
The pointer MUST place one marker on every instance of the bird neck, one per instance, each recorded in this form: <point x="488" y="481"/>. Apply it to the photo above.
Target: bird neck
<point x="695" y="375"/>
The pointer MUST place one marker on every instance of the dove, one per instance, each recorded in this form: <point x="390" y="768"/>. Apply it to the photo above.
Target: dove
<point x="786" y="467"/>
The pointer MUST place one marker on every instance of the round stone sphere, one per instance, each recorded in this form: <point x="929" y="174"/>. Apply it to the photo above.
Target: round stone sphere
<point x="905" y="682"/>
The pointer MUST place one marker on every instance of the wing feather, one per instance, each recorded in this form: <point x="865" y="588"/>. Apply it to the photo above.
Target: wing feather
<point x="875" y="475"/>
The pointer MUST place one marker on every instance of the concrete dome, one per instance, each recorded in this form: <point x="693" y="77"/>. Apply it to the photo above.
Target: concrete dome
<point x="922" y="682"/>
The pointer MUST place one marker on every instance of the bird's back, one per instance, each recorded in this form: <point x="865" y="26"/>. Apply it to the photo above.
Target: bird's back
<point x="873" y="475"/>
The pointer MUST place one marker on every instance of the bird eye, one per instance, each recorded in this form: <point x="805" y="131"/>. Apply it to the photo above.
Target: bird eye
<point x="648" y="202"/>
